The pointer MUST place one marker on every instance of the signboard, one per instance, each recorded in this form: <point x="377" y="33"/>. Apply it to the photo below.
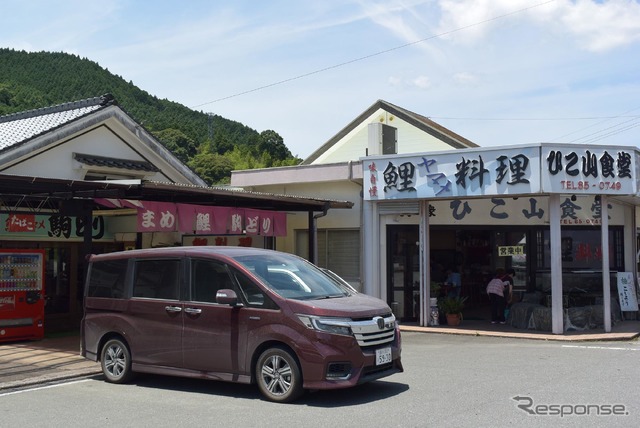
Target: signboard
<point x="543" y="168"/>
<point x="50" y="227"/>
<point x="577" y="169"/>
<point x="583" y="210"/>
<point x="511" y="250"/>
<point x="462" y="173"/>
<point x="201" y="219"/>
<point x="254" y="241"/>
<point x="627" y="292"/>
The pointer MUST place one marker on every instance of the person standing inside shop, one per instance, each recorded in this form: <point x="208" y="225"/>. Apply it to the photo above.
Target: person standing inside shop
<point x="453" y="282"/>
<point x="508" y="291"/>
<point x="496" y="292"/>
<point x="508" y="286"/>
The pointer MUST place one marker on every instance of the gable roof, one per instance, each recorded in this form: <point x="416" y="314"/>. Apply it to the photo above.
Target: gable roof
<point x="421" y="122"/>
<point x="22" y="134"/>
<point x="20" y="127"/>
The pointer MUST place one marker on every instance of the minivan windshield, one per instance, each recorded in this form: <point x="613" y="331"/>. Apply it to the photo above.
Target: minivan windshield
<point x="292" y="277"/>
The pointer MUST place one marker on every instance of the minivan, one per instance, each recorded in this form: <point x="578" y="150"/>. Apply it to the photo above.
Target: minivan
<point x="234" y="314"/>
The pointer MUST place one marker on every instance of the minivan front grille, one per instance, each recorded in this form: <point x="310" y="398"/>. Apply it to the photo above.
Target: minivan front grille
<point x="374" y="331"/>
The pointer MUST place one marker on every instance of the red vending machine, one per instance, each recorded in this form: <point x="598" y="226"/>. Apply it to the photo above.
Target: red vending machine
<point x="21" y="294"/>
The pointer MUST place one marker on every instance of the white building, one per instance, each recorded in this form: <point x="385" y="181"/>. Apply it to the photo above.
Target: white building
<point x="410" y="224"/>
<point x="334" y="171"/>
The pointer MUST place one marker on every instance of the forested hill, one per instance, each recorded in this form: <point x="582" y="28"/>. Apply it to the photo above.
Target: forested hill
<point x="210" y="144"/>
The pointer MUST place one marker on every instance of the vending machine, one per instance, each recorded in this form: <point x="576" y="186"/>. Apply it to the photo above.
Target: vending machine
<point x="21" y="294"/>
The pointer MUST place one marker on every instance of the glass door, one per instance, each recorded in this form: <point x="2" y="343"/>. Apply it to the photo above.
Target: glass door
<point x="403" y="271"/>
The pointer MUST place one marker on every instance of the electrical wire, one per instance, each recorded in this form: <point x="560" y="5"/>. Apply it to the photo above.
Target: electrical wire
<point x="362" y="58"/>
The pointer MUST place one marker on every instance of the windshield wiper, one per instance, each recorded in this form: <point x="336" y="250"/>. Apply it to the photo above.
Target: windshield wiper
<point x="329" y="296"/>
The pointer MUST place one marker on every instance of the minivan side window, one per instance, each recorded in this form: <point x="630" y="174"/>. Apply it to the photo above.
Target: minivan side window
<point x="108" y="279"/>
<point x="252" y="294"/>
<point x="207" y="277"/>
<point x="157" y="279"/>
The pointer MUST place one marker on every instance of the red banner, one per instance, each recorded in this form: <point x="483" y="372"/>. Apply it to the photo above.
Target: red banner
<point x="202" y="219"/>
<point x="157" y="217"/>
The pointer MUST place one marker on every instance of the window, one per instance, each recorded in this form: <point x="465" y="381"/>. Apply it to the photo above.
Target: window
<point x="338" y="251"/>
<point x="207" y="277"/>
<point x="107" y="278"/>
<point x="157" y="279"/>
<point x="582" y="249"/>
<point x="252" y="294"/>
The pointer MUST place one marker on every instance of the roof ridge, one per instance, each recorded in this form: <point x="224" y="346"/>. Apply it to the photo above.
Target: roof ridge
<point x="103" y="100"/>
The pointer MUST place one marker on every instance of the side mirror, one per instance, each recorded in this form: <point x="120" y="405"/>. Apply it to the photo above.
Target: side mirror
<point x="227" y="297"/>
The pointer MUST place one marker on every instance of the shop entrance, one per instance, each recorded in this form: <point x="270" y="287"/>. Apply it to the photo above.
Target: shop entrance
<point x="473" y="253"/>
<point x="403" y="271"/>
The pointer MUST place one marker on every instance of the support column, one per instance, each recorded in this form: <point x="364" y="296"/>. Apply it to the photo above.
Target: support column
<point x="313" y="236"/>
<point x="555" y="233"/>
<point x="606" y="277"/>
<point x="369" y="249"/>
<point x="425" y="271"/>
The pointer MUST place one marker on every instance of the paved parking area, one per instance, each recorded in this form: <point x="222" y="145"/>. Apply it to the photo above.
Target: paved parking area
<point x="36" y="362"/>
<point x="57" y="358"/>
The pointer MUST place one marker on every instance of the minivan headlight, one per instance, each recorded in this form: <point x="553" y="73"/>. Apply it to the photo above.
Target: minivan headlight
<point x="327" y="325"/>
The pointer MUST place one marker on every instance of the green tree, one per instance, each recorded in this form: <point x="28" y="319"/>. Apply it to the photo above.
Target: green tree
<point x="272" y="143"/>
<point x="183" y="147"/>
<point x="212" y="167"/>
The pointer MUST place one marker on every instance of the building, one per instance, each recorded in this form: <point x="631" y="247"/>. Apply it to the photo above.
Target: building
<point x="334" y="171"/>
<point x="420" y="219"/>
<point x="89" y="163"/>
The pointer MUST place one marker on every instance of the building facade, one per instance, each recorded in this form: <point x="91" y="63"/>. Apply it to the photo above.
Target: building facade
<point x="476" y="219"/>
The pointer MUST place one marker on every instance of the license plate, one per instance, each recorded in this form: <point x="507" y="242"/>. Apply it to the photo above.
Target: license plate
<point x="383" y="356"/>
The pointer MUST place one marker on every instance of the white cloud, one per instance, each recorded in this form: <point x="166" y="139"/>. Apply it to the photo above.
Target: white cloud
<point x="395" y="81"/>
<point x="603" y="26"/>
<point x="465" y="78"/>
<point x="421" y="82"/>
<point x="594" y="25"/>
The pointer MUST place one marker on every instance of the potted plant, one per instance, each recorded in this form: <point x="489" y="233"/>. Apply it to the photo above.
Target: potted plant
<point x="452" y="307"/>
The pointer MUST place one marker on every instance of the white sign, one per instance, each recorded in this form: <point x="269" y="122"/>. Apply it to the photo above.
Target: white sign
<point x="511" y="171"/>
<point x="594" y="170"/>
<point x="627" y="292"/>
<point x="462" y="173"/>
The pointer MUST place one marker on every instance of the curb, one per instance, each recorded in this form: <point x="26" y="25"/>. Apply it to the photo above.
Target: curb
<point x="585" y="337"/>
<point x="49" y="378"/>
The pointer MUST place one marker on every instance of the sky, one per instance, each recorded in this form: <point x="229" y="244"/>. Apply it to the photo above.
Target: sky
<point x="497" y="72"/>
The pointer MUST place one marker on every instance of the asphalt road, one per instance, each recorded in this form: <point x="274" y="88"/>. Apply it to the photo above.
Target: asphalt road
<point x="449" y="380"/>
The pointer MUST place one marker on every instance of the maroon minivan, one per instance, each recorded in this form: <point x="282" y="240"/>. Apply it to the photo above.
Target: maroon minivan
<point x="234" y="314"/>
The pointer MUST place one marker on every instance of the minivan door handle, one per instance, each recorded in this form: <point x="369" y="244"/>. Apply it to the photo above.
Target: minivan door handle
<point x="173" y="308"/>
<point x="193" y="311"/>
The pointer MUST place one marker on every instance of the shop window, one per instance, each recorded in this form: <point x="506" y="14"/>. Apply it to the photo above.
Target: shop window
<point x="581" y="254"/>
<point x="338" y="251"/>
<point x="582" y="250"/>
<point x="57" y="280"/>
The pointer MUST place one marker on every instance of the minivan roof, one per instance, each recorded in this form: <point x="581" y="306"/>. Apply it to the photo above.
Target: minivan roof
<point x="228" y="251"/>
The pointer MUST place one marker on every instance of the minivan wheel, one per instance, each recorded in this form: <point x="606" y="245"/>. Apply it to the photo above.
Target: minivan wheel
<point x="278" y="376"/>
<point x="116" y="361"/>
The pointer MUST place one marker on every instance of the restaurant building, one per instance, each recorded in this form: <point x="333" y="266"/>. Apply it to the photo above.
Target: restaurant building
<point x="563" y="216"/>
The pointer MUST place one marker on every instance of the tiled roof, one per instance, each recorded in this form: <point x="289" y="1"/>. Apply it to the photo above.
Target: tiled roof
<point x="19" y="127"/>
<point x="103" y="161"/>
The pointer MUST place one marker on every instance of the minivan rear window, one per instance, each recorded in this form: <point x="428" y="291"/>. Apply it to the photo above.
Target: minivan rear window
<point x="107" y="279"/>
<point x="157" y="279"/>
